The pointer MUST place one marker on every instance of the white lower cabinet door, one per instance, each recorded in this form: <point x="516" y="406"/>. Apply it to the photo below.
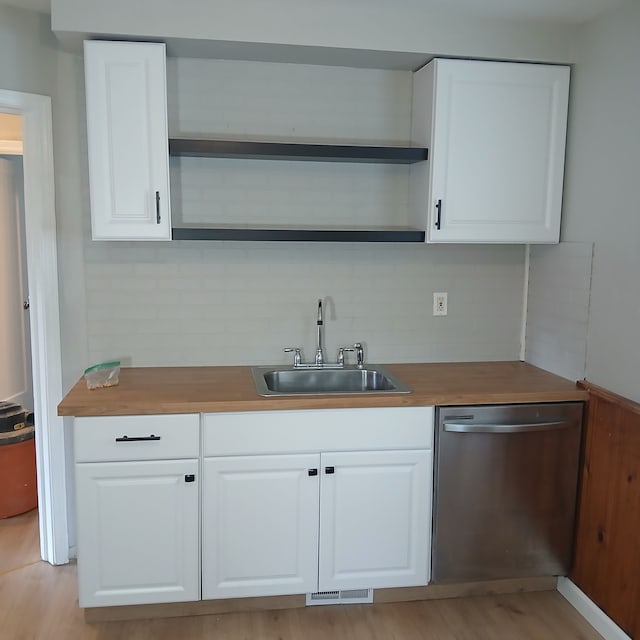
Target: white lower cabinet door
<point x="260" y="525"/>
<point x="375" y="519"/>
<point x="138" y="539"/>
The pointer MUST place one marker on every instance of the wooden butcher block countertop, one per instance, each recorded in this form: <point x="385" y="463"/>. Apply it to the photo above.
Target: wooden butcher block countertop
<point x="156" y="390"/>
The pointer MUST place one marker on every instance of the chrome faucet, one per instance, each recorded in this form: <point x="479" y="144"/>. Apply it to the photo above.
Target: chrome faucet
<point x="319" y="360"/>
<point x="320" y="336"/>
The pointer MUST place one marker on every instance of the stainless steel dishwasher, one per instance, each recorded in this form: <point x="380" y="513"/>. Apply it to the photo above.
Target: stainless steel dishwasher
<point x="505" y="490"/>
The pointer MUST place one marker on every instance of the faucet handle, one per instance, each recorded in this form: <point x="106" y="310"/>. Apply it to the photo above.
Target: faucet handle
<point x="341" y="352"/>
<point x="359" y="349"/>
<point x="297" y="355"/>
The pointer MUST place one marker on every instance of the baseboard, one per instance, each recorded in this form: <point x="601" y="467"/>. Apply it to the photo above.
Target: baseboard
<point x="595" y="616"/>
<point x="197" y="608"/>
<point x="464" y="589"/>
<point x="272" y="603"/>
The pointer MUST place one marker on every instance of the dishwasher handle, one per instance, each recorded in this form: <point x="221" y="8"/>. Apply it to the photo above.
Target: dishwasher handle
<point x="457" y="427"/>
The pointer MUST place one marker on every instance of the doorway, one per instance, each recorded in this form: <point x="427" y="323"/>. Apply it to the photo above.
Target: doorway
<point x="15" y="343"/>
<point x="18" y="493"/>
<point x="42" y="276"/>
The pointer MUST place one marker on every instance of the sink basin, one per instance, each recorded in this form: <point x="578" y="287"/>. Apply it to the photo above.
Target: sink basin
<point x="280" y="381"/>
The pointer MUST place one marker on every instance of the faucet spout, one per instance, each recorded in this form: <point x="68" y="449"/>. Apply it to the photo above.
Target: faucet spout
<point x="320" y="336"/>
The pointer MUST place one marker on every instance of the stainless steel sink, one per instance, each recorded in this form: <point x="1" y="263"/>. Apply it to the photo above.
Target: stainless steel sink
<point x="286" y="380"/>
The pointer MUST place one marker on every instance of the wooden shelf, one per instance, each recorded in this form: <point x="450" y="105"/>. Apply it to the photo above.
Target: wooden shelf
<point x="295" y="151"/>
<point x="286" y="234"/>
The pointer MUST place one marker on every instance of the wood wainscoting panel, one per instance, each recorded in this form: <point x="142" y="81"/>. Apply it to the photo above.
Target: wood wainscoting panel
<point x="607" y="545"/>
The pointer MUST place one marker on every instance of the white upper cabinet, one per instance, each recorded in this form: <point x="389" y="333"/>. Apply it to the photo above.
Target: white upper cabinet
<point x="128" y="141"/>
<point x="496" y="134"/>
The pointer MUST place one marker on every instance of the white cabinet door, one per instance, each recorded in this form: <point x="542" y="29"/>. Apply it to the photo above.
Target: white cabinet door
<point x="260" y="525"/>
<point x="375" y="519"/>
<point x="128" y="140"/>
<point x="138" y="539"/>
<point x="496" y="133"/>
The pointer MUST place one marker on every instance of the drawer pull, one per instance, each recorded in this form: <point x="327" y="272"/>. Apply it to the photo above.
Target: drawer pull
<point x="190" y="477"/>
<point x="329" y="470"/>
<point x="138" y="438"/>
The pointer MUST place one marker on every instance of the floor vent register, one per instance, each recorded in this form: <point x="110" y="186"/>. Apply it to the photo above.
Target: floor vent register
<point x="349" y="596"/>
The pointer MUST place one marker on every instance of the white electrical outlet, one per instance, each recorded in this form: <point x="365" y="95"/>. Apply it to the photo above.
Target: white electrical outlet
<point x="440" y="304"/>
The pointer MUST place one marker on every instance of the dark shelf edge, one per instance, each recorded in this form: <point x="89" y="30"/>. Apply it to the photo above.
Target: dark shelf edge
<point x="295" y="151"/>
<point x="300" y="235"/>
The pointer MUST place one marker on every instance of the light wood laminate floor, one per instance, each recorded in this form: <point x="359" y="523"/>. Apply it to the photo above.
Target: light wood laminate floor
<point x="39" y="602"/>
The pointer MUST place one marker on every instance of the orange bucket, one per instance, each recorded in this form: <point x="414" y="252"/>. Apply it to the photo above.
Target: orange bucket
<point x="18" y="486"/>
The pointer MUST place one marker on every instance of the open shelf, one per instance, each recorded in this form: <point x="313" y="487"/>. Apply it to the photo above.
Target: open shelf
<point x="309" y="234"/>
<point x="207" y="148"/>
<point x="295" y="151"/>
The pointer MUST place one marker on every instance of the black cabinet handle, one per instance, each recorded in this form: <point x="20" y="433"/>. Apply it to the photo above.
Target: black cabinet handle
<point x="438" y="214"/>
<point x="157" y="207"/>
<point x="312" y="472"/>
<point x="138" y="438"/>
<point x="329" y="470"/>
<point x="190" y="478"/>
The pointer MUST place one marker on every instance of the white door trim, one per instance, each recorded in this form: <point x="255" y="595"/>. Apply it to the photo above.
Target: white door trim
<point x="46" y="356"/>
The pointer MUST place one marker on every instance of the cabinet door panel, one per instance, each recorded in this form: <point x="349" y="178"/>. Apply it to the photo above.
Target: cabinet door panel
<point x="497" y="153"/>
<point x="260" y="526"/>
<point x="375" y="524"/>
<point x="127" y="140"/>
<point x="138" y="539"/>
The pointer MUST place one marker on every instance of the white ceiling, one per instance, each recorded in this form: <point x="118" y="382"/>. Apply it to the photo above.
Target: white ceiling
<point x="565" y="11"/>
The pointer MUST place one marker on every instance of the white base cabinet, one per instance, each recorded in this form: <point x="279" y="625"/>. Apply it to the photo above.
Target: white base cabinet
<point x="496" y="134"/>
<point x="137" y="520"/>
<point x="374" y="519"/>
<point x="310" y="518"/>
<point x="174" y="508"/>
<point x="260" y="526"/>
<point x="140" y="543"/>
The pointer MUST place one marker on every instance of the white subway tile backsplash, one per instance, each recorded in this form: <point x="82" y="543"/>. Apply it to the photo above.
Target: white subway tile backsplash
<point x="558" y="308"/>
<point x="266" y="301"/>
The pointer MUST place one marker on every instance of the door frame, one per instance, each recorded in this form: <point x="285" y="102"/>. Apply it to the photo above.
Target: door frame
<point x="46" y="354"/>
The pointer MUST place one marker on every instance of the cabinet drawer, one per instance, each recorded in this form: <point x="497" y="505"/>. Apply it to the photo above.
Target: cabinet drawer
<point x="161" y="437"/>
<point x="261" y="432"/>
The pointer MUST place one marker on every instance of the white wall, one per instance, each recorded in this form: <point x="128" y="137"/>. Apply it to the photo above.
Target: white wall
<point x="601" y="192"/>
<point x="72" y="211"/>
<point x="32" y="62"/>
<point x="317" y="28"/>
<point x="241" y="303"/>
<point x="27" y="51"/>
